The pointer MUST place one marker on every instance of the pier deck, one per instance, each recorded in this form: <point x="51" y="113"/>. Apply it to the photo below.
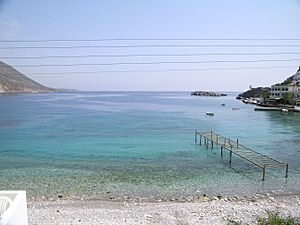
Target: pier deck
<point x="234" y="147"/>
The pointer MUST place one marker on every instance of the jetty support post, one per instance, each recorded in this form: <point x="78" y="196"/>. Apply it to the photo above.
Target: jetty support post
<point x="200" y="140"/>
<point x="212" y="144"/>
<point x="195" y="136"/>
<point x="217" y="138"/>
<point x="237" y="142"/>
<point x="230" y="155"/>
<point x="211" y="134"/>
<point x="286" y="170"/>
<point x="206" y="143"/>
<point x="222" y="151"/>
<point x="264" y="172"/>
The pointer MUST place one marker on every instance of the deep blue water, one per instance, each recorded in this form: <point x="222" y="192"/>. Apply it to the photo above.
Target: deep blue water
<point x="138" y="143"/>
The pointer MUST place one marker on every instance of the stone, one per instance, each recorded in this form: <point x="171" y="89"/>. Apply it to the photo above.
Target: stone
<point x="272" y="199"/>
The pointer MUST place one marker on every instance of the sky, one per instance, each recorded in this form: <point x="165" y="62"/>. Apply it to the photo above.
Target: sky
<point x="141" y="19"/>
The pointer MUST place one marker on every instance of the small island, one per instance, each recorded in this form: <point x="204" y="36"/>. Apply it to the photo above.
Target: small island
<point x="208" y="93"/>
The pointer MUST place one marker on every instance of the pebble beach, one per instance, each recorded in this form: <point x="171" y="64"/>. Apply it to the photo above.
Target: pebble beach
<point x="204" y="210"/>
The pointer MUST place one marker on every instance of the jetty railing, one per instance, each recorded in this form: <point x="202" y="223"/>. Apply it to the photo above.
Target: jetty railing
<point x="234" y="147"/>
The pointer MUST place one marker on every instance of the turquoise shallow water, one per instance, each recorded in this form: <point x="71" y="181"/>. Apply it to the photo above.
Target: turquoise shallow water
<point x="98" y="144"/>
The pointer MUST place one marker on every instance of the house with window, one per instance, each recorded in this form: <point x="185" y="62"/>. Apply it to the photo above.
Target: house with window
<point x="278" y="91"/>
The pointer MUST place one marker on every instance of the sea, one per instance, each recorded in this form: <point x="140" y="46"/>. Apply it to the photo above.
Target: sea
<point x="107" y="145"/>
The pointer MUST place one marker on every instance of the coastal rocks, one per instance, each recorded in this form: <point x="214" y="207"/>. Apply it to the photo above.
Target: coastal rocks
<point x="203" y="198"/>
<point x="272" y="199"/>
<point x="215" y="198"/>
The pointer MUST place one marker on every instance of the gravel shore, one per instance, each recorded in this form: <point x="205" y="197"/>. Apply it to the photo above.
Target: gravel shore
<point x="206" y="210"/>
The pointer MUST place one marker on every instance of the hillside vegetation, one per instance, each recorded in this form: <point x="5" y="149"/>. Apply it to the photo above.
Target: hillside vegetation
<point x="259" y="92"/>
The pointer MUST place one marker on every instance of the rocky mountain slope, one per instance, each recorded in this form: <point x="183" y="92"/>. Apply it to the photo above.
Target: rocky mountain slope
<point x="13" y="81"/>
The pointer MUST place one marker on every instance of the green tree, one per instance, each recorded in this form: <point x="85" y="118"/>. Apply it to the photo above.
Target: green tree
<point x="288" y="98"/>
<point x="265" y="94"/>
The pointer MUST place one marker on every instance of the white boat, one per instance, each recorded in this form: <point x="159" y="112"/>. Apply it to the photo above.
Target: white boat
<point x="210" y="114"/>
<point x="297" y="108"/>
<point x="285" y="110"/>
<point x="250" y="101"/>
<point x="13" y="208"/>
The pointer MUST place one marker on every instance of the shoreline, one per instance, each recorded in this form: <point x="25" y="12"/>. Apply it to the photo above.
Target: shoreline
<point x="212" y="211"/>
<point x="201" y="197"/>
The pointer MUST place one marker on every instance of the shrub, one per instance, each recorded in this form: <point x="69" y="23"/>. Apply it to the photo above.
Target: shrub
<point x="272" y="219"/>
<point x="276" y="219"/>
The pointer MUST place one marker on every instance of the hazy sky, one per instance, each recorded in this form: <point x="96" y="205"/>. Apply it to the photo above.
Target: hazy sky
<point x="96" y="19"/>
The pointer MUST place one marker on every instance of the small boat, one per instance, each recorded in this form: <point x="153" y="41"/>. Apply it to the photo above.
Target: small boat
<point x="285" y="110"/>
<point x="210" y="114"/>
<point x="235" y="108"/>
<point x="222" y="104"/>
<point x="250" y="101"/>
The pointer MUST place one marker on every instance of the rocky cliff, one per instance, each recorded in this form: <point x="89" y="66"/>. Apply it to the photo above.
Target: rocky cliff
<point x="13" y="81"/>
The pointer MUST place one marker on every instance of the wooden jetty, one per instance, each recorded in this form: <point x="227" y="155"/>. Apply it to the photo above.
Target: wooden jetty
<point x="234" y="147"/>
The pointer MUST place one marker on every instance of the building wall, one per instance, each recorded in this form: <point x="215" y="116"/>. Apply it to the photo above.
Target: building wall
<point x="296" y="90"/>
<point x="294" y="87"/>
<point x="279" y="91"/>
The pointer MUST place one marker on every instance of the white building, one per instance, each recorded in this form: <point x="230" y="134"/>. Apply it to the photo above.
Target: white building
<point x="278" y="91"/>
